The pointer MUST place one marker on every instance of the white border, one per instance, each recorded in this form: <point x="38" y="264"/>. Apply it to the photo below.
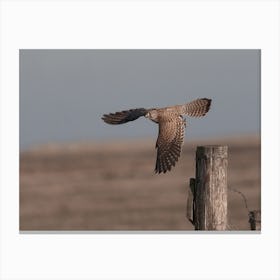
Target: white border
<point x="135" y="24"/>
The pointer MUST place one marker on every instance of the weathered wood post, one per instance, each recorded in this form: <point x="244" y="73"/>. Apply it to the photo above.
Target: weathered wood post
<point x="210" y="195"/>
<point x="255" y="219"/>
<point x="190" y="201"/>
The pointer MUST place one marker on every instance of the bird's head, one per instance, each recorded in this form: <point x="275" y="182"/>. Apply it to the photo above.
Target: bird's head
<point x="152" y="115"/>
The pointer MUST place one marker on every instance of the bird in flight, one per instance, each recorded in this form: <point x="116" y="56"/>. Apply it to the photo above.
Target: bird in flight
<point x="171" y="125"/>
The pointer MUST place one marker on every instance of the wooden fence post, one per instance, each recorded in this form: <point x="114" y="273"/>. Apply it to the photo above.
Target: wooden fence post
<point x="190" y="201"/>
<point x="255" y="219"/>
<point x="210" y="199"/>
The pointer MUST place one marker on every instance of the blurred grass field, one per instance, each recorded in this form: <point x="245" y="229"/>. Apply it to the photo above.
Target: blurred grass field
<point x="112" y="186"/>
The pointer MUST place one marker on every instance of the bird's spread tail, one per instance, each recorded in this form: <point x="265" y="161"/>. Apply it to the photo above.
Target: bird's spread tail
<point x="197" y="108"/>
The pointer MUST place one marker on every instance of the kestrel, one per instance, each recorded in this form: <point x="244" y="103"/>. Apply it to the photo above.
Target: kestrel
<point x="171" y="127"/>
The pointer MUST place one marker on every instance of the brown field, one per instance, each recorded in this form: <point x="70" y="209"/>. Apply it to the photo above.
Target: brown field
<point x="112" y="186"/>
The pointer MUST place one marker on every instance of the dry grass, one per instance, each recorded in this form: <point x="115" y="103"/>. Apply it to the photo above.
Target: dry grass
<point x="112" y="186"/>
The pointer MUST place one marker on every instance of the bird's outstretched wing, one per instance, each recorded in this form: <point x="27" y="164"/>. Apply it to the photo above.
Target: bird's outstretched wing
<point x="124" y="116"/>
<point x="169" y="143"/>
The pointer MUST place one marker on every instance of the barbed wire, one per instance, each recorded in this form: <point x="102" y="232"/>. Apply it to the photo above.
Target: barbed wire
<point x="252" y="214"/>
<point x="242" y="195"/>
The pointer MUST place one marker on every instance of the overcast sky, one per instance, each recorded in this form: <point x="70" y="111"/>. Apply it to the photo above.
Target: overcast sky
<point x="63" y="93"/>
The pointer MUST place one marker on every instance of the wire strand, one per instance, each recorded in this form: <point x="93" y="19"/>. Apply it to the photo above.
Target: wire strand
<point x="242" y="195"/>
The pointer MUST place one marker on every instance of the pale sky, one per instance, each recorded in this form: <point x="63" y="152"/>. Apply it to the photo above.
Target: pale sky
<point x="63" y="93"/>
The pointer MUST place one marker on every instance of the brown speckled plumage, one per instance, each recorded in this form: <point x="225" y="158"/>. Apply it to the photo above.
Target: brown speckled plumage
<point x="171" y="127"/>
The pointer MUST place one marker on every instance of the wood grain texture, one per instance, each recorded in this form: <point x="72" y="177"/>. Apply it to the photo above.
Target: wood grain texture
<point x="211" y="188"/>
<point x="190" y="201"/>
